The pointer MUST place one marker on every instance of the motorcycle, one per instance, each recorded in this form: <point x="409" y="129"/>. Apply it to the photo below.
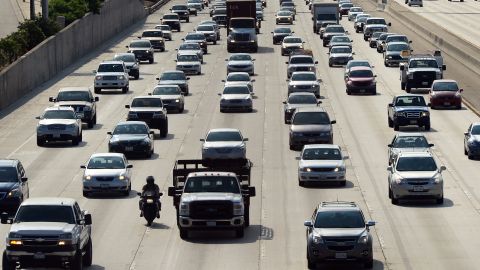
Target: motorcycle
<point x="149" y="206"/>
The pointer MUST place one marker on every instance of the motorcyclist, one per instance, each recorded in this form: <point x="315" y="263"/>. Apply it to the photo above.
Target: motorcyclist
<point x="152" y="187"/>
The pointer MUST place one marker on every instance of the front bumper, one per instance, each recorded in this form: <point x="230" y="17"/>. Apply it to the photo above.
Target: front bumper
<point x="321" y="176"/>
<point x="404" y="121"/>
<point x="325" y="252"/>
<point x="104" y="84"/>
<point x="362" y="88"/>
<point x="284" y="20"/>
<point x="190" y="69"/>
<point x="238" y="45"/>
<point x="234" y="105"/>
<point x="58" y="135"/>
<point x="446" y="101"/>
<point x="214" y="154"/>
<point x="426" y="190"/>
<point x="245" y="68"/>
<point x="113" y="185"/>
<point x="140" y="149"/>
<point x="310" y="139"/>
<point x="205" y="224"/>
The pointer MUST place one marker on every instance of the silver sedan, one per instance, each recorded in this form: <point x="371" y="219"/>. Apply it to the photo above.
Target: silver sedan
<point x="241" y="62"/>
<point x="321" y="162"/>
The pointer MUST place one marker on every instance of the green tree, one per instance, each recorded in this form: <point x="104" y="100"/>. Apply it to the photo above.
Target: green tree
<point x="70" y="9"/>
<point x="32" y="33"/>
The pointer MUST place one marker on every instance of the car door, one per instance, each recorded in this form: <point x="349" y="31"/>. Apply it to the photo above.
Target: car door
<point x="467" y="136"/>
<point x="84" y="229"/>
<point x="390" y="148"/>
<point x="313" y="218"/>
<point x="23" y="185"/>
<point x="128" y="170"/>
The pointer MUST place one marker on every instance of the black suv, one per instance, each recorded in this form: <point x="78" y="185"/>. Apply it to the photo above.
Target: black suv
<point x="13" y="185"/>
<point x="337" y="232"/>
<point x="182" y="12"/>
<point x="150" y="110"/>
<point x="142" y="49"/>
<point x="408" y="110"/>
<point x="81" y="100"/>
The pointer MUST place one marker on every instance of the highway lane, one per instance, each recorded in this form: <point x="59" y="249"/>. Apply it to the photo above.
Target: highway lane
<point x="407" y="237"/>
<point x="10" y="15"/>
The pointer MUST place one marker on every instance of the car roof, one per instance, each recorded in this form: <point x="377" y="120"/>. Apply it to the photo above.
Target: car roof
<point x="107" y="155"/>
<point x="59" y="108"/>
<point x="328" y="146"/>
<point x="310" y="109"/>
<point x="49" y="201"/>
<point x="236" y="73"/>
<point x="76" y="88"/>
<point x="186" y="52"/>
<point x="8" y="162"/>
<point x="111" y="62"/>
<point x="337" y="205"/>
<point x="131" y="123"/>
<point x="397" y="42"/>
<point x="414" y="154"/>
<point x="445" y="80"/>
<point x="224" y="130"/>
<point x="173" y="71"/>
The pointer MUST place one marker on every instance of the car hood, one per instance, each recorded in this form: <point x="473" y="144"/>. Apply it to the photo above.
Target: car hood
<point x="236" y="96"/>
<point x="340" y="55"/>
<point x="145" y="109"/>
<point x="110" y="74"/>
<point x="189" y="63"/>
<point x="411" y="108"/>
<point x="444" y="93"/>
<point x="73" y="103"/>
<point x="292" y="83"/>
<point x="344" y="232"/>
<point x="223" y="144"/>
<point x="129" y="137"/>
<point x="288" y="45"/>
<point x="169" y="97"/>
<point x="211" y="196"/>
<point x="104" y="172"/>
<point x="57" y="121"/>
<point x="243" y="63"/>
<point x="310" y="128"/>
<point x="175" y="82"/>
<point x="41" y="228"/>
<point x="417" y="175"/>
<point x="320" y="163"/>
<point x="198" y="52"/>
<point x="7" y="186"/>
<point x="296" y="106"/>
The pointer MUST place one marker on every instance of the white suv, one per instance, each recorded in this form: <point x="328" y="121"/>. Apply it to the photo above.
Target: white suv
<point x="111" y="75"/>
<point x="59" y="124"/>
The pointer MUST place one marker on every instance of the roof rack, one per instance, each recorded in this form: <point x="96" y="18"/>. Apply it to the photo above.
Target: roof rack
<point x="338" y="203"/>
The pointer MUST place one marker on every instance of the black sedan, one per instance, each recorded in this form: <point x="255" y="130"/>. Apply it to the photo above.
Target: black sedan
<point x="132" y="137"/>
<point x="279" y="33"/>
<point x="471" y="143"/>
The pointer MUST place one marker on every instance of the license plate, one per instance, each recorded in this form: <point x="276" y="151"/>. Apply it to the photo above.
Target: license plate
<point x="424" y="83"/>
<point x="311" y="140"/>
<point x="56" y="135"/>
<point x="447" y="103"/>
<point x="362" y="90"/>
<point x="129" y="148"/>
<point x="104" y="186"/>
<point x="420" y="188"/>
<point x="39" y="256"/>
<point x="413" y="121"/>
<point x="342" y="255"/>
<point x="211" y="223"/>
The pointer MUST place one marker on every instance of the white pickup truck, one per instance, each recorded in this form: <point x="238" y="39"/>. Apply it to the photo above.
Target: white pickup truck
<point x="421" y="70"/>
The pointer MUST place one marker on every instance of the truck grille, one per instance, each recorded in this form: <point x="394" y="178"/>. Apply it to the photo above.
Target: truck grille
<point x="129" y="143"/>
<point x="104" y="178"/>
<point x="43" y="241"/>
<point x="362" y="83"/>
<point x="341" y="248"/>
<point x="145" y="115"/>
<point x="224" y="150"/>
<point x="211" y="210"/>
<point x="424" y="76"/>
<point x="418" y="181"/>
<point x="413" y="114"/>
<point x="322" y="169"/>
<point x="56" y="127"/>
<point x="110" y="78"/>
<point x="242" y="37"/>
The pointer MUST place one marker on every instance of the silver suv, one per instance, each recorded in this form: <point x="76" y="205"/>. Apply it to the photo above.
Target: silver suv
<point x="111" y="75"/>
<point x="59" y="124"/>
<point x="224" y="143"/>
<point x="415" y="175"/>
<point x="337" y="232"/>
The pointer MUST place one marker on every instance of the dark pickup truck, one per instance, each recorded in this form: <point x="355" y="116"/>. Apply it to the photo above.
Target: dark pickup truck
<point x="408" y="110"/>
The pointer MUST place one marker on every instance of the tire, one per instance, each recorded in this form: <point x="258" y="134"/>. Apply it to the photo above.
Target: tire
<point x="465" y="152"/>
<point x="427" y="126"/>
<point x="182" y="109"/>
<point x="342" y="183"/>
<point x="149" y="155"/>
<point x="330" y="65"/>
<point x="90" y="123"/>
<point x="6" y="263"/>
<point x="125" y="90"/>
<point x="439" y="200"/>
<point x="390" y="193"/>
<point x="396" y="127"/>
<point x="215" y="42"/>
<point x="150" y="61"/>
<point x="183" y="233"/>
<point x="374" y="92"/>
<point x="349" y="92"/>
<point x="385" y="63"/>
<point x="310" y="264"/>
<point x="40" y="141"/>
<point x="239" y="233"/>
<point x="394" y="201"/>
<point x="301" y="183"/>
<point x="188" y="20"/>
<point x="368" y="264"/>
<point x="87" y="258"/>
<point x="76" y="141"/>
<point x="137" y="76"/>
<point x="408" y="89"/>
<point x="97" y="90"/>
<point x="247" y="216"/>
<point x="164" y="129"/>
<point x="95" y="118"/>
<point x="390" y="122"/>
<point x="76" y="263"/>
<point x="86" y="194"/>
<point x="402" y="86"/>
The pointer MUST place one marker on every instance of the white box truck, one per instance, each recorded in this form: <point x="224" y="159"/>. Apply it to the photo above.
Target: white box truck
<point x="324" y="13"/>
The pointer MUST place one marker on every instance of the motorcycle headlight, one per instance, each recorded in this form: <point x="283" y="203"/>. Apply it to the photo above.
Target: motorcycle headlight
<point x="317" y="240"/>
<point x="149" y="200"/>
<point x="184" y="209"/>
<point x="238" y="209"/>
<point x="121" y="77"/>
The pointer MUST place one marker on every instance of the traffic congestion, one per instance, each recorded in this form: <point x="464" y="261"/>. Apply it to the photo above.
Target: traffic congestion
<point x="230" y="122"/>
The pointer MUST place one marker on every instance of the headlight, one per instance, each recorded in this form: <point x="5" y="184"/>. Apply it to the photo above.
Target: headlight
<point x="64" y="242"/>
<point x="122" y="177"/>
<point x="363" y="238"/>
<point x="121" y="77"/>
<point x="132" y="115"/>
<point x="238" y="209"/>
<point x="389" y="57"/>
<point x="425" y="113"/>
<point x="98" y="77"/>
<point x="15" y="242"/>
<point x="41" y="127"/>
<point x="14" y="193"/>
<point x="145" y="141"/>
<point x="306" y="169"/>
<point x="157" y="114"/>
<point x="87" y="109"/>
<point x="339" y="169"/>
<point x="317" y="240"/>
<point x="399" y="180"/>
<point x="400" y="114"/>
<point x="87" y="177"/>
<point x="184" y="209"/>
<point x="177" y="100"/>
<point x="71" y="126"/>
<point x="438" y="179"/>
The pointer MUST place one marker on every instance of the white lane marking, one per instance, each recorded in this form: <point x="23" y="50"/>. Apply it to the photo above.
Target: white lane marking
<point x="20" y="146"/>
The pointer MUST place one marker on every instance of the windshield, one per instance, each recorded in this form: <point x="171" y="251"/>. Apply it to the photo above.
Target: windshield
<point x="341" y="50"/>
<point x="147" y="102"/>
<point x="475" y="130"/>
<point x="347" y="5"/>
<point x="284" y="13"/>
<point x="171" y="17"/>
<point x="340" y="39"/>
<point x="189" y="46"/>
<point x="362" y="18"/>
<point x="376" y="21"/>
<point x="45" y="213"/>
<point x="339" y="219"/>
<point x="304" y="77"/>
<point x="168" y="90"/>
<point x="301" y="60"/>
<point x="398" y="47"/>
<point x="283" y="30"/>
<point x="410" y="101"/>
<point x="427" y="63"/>
<point x="356" y="9"/>
<point x="361" y="73"/>
<point x="8" y="174"/>
<point x="173" y="76"/>
<point x="445" y="86"/>
<point x="311" y="118"/>
<point x="240" y="57"/>
<point x="125" y="58"/>
<point x="351" y="64"/>
<point x="140" y="44"/>
<point x="397" y="38"/>
<point x="242" y="23"/>
<point x="163" y="27"/>
<point x="130" y="129"/>
<point x="376" y="34"/>
<point x="188" y="58"/>
<point x="224" y="136"/>
<point x="152" y="34"/>
<point x="59" y="114"/>
<point x="205" y="28"/>
<point x="179" y="7"/>
<point x="224" y="184"/>
<point x="410" y="142"/>
<point x="302" y="99"/>
<point x="106" y="163"/>
<point x="231" y="90"/>
<point x="292" y="40"/>
<point x="110" y="68"/>
<point x="321" y="154"/>
<point x="195" y="37"/>
<point x="238" y="77"/>
<point x="73" y="96"/>
<point x="417" y="164"/>
<point x="335" y="29"/>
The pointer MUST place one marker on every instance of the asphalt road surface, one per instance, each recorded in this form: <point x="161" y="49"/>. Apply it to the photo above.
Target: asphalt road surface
<point x="411" y="236"/>
<point x="10" y="15"/>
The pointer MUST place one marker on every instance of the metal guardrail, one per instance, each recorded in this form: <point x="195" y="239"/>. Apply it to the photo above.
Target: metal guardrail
<point x="156" y="6"/>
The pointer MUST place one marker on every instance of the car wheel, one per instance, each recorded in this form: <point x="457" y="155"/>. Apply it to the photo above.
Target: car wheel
<point x="90" y="123"/>
<point x="301" y="183"/>
<point x="150" y="61"/>
<point x="124" y="89"/>
<point x="239" y="233"/>
<point x="188" y="20"/>
<point x="164" y="129"/>
<point x="349" y="92"/>
<point x="97" y="90"/>
<point x="439" y="200"/>
<point x="76" y="141"/>
<point x="40" y="141"/>
<point x="374" y="92"/>
<point x="87" y="258"/>
<point x="86" y="194"/>
<point x="390" y="122"/>
<point x="390" y="193"/>
<point x="76" y="262"/>
<point x="408" y="89"/>
<point x="396" y="127"/>
<point x="402" y="86"/>
<point x="6" y="263"/>
<point x="214" y="42"/>
<point x="330" y="64"/>
<point x="183" y="234"/>
<point x="427" y="126"/>
<point x="181" y="108"/>
<point x="368" y="264"/>
<point x="385" y="63"/>
<point x="394" y="201"/>
<point x="95" y="118"/>
<point x="310" y="264"/>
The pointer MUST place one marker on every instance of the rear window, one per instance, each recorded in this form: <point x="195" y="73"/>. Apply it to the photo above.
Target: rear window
<point x="147" y="102"/>
<point x="301" y="60"/>
<point x="311" y="118"/>
<point x="224" y="184"/>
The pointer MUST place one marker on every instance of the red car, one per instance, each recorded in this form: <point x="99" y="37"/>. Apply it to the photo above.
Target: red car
<point x="445" y="93"/>
<point x="345" y="8"/>
<point x="361" y="80"/>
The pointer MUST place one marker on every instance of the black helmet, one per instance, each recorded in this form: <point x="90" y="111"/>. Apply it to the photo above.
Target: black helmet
<point x="150" y="180"/>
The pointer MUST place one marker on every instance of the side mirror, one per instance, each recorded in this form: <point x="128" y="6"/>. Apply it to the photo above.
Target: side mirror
<point x="129" y="166"/>
<point x="461" y="90"/>
<point x="188" y="78"/>
<point x="308" y="223"/>
<point x="183" y="39"/>
<point x="252" y="80"/>
<point x="245" y="139"/>
<point x="333" y="122"/>
<point x="319" y="102"/>
<point x="429" y="104"/>
<point x="171" y="191"/>
<point x="431" y="145"/>
<point x="149" y="94"/>
<point x="24" y="179"/>
<point x="253" y="60"/>
<point x="226" y="59"/>
<point x="83" y="166"/>
<point x="402" y="67"/>
<point x="370" y="223"/>
<point x="271" y="32"/>
<point x="375" y="75"/>
<point x="139" y="37"/>
<point x="126" y="46"/>
<point x="127" y="106"/>
<point x="157" y="79"/>
<point x="389" y="168"/>
<point x="51" y="99"/>
<point x="94" y="71"/>
<point x="220" y="94"/>
<point x="96" y="99"/>
<point x="175" y="60"/>
<point x="444" y="67"/>
<point x="5" y="219"/>
<point x="151" y="132"/>
<point x="202" y="140"/>
<point x="88" y="219"/>
<point x="284" y="102"/>
<point x="139" y="194"/>
<point x="298" y="158"/>
<point x="466" y="133"/>
<point x="409" y="41"/>
<point x="316" y="62"/>
<point x="353" y="53"/>
<point x="389" y="24"/>
<point x="443" y="168"/>
<point x="390" y="104"/>
<point x="37" y="117"/>
<point x="252" y="192"/>
<point x="286" y="63"/>
<point x="109" y="133"/>
<point x="390" y="145"/>
<point x="176" y="49"/>
<point x="223" y="80"/>
<point x="328" y="52"/>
